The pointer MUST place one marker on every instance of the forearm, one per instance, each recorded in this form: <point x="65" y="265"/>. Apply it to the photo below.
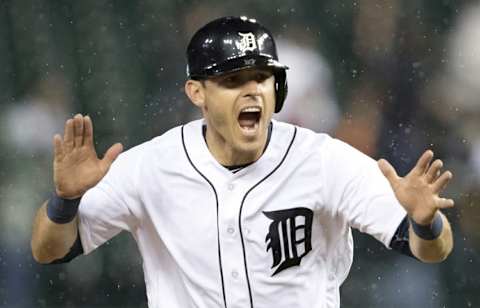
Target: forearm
<point x="51" y="241"/>
<point x="432" y="251"/>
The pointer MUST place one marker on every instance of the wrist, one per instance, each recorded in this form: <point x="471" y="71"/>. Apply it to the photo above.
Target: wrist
<point x="68" y="196"/>
<point x="428" y="232"/>
<point x="61" y="210"/>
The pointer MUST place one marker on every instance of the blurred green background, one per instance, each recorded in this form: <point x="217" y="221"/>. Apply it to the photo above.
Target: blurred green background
<point x="392" y="78"/>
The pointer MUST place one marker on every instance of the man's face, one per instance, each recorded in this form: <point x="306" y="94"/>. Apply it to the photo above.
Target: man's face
<point x="238" y="108"/>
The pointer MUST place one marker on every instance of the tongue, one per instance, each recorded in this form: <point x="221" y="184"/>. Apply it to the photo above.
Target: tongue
<point x="247" y="119"/>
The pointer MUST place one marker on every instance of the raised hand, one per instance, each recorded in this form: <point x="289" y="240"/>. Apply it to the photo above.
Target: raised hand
<point x="76" y="167"/>
<point x="418" y="192"/>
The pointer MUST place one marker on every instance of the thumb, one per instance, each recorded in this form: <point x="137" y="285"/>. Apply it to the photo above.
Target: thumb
<point x="111" y="154"/>
<point x="388" y="171"/>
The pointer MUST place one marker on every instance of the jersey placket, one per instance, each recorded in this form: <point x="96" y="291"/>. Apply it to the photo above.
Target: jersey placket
<point x="236" y="283"/>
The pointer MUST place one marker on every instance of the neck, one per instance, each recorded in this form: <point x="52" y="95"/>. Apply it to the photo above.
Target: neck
<point x="228" y="155"/>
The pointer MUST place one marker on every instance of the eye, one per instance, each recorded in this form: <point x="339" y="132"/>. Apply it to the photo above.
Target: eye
<point x="238" y="79"/>
<point x="262" y="76"/>
<point x="230" y="81"/>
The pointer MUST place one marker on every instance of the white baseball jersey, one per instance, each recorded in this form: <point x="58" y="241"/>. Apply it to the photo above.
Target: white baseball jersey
<point x="274" y="234"/>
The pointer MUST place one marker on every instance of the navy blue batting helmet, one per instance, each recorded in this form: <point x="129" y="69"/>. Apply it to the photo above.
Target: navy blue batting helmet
<point x="229" y="44"/>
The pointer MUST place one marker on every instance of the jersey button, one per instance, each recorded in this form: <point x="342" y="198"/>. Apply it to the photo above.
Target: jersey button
<point x="235" y="274"/>
<point x="231" y="230"/>
<point x="231" y="187"/>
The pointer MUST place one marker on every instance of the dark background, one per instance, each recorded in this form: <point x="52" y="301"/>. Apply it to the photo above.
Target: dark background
<point x="395" y="78"/>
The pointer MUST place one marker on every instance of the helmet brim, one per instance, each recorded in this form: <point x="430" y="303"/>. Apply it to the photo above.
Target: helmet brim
<point x="241" y="63"/>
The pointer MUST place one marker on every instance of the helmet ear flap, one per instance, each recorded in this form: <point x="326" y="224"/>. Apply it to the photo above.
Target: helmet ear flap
<point x="281" y="89"/>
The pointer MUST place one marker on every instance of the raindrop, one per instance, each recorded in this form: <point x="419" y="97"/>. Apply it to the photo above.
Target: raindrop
<point x="62" y="276"/>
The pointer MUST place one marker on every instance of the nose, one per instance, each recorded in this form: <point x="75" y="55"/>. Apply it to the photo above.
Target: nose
<point x="252" y="89"/>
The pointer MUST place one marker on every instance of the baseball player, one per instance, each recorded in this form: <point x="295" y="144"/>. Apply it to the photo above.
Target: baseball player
<point x="236" y="209"/>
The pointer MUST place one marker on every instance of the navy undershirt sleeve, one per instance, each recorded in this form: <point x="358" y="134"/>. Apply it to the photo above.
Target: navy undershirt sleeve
<point x="75" y="251"/>
<point x="400" y="241"/>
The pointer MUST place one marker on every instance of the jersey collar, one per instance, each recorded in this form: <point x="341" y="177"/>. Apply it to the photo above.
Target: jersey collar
<point x="200" y="156"/>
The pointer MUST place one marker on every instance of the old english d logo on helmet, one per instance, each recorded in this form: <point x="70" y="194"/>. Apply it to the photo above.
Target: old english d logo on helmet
<point x="247" y="42"/>
<point x="230" y="44"/>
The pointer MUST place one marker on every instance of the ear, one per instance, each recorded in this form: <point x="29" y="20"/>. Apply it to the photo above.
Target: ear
<point x="195" y="92"/>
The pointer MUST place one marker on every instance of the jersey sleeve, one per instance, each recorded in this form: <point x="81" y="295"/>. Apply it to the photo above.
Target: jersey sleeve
<point x="360" y="193"/>
<point x="109" y="207"/>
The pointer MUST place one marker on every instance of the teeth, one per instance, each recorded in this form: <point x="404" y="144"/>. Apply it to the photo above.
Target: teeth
<point x="251" y="109"/>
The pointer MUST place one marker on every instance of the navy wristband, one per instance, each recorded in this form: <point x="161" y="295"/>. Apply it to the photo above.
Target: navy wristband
<point x="428" y="232"/>
<point x="62" y="211"/>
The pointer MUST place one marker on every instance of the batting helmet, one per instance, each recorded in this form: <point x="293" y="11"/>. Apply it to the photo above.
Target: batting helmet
<point x="229" y="44"/>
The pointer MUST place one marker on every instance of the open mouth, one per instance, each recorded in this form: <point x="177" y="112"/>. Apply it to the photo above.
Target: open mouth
<point x="249" y="118"/>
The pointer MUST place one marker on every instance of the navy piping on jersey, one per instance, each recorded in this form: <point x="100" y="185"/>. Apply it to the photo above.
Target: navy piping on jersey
<point x="240" y="214"/>
<point x="216" y="201"/>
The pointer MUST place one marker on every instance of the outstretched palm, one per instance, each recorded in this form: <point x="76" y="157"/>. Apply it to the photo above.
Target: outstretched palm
<point x="76" y="166"/>
<point x="418" y="192"/>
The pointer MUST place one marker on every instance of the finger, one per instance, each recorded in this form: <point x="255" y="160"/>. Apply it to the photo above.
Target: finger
<point x="423" y="162"/>
<point x="57" y="147"/>
<point x="68" y="135"/>
<point x="87" y="131"/>
<point x="444" y="203"/>
<point x="78" y="130"/>
<point x="442" y="182"/>
<point x="388" y="171"/>
<point x="434" y="171"/>
<point x="111" y="154"/>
